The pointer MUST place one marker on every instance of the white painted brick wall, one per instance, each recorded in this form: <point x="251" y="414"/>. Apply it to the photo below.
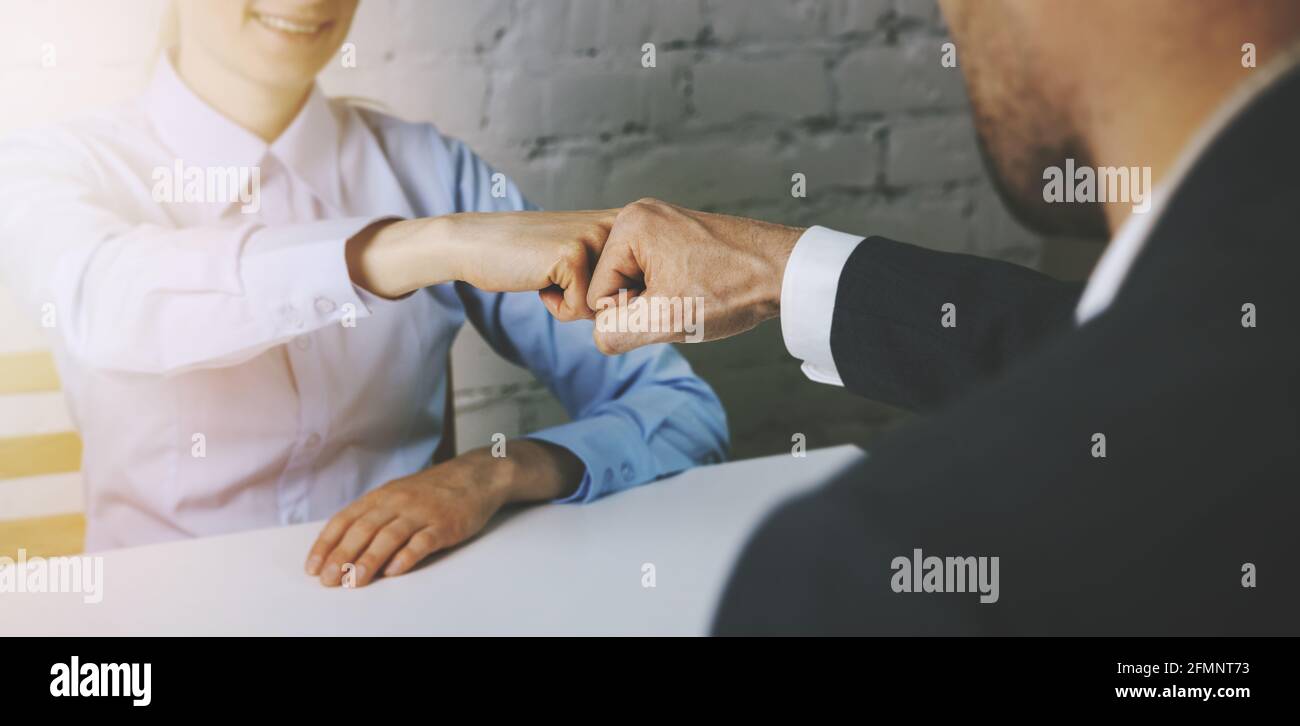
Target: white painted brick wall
<point x="745" y="93"/>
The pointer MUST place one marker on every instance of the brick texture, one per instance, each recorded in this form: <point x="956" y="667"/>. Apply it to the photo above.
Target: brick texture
<point x="744" y="94"/>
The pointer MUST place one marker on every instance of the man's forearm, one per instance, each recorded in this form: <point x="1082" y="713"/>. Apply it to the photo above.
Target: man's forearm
<point x="947" y="320"/>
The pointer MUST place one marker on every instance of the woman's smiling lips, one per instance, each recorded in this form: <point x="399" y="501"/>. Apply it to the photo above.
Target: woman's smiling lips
<point x="298" y="28"/>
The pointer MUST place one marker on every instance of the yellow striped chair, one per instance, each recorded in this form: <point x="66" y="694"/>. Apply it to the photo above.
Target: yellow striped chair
<point x="41" y="501"/>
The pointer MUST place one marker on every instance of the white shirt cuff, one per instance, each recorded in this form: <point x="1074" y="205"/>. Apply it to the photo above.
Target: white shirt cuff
<point x="812" y="277"/>
<point x="299" y="274"/>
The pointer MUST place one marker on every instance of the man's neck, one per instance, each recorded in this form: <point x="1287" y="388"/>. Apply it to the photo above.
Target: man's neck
<point x="1154" y="126"/>
<point x="1151" y="132"/>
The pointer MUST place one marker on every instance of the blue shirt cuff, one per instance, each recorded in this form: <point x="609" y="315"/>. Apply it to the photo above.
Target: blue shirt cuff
<point x="601" y="444"/>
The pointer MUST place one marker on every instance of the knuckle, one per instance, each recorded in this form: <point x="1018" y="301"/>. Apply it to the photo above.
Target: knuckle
<point x="334" y="529"/>
<point x="638" y="211"/>
<point x="386" y="540"/>
<point x="648" y="204"/>
<point x="398" y="500"/>
<point x="424" y="542"/>
<point x="327" y="538"/>
<point x="337" y="560"/>
<point x="337" y="564"/>
<point x="351" y="545"/>
<point x="363" y="529"/>
<point x="459" y="527"/>
<point x="367" y="564"/>
<point x="573" y="253"/>
<point x="597" y="232"/>
<point x="453" y="530"/>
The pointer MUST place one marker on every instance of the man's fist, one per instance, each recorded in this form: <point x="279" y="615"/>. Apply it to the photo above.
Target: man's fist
<point x="668" y="274"/>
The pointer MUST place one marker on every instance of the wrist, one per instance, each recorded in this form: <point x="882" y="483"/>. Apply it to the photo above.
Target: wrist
<point x="494" y="477"/>
<point x="439" y="237"/>
<point x="531" y="471"/>
<point x="394" y="257"/>
<point x="778" y="243"/>
<point x="366" y="259"/>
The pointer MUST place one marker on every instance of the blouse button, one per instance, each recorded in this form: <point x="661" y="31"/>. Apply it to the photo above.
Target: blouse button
<point x="291" y="317"/>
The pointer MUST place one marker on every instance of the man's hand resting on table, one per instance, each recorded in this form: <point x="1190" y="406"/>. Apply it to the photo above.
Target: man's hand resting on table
<point x="395" y="527"/>
<point x="659" y="252"/>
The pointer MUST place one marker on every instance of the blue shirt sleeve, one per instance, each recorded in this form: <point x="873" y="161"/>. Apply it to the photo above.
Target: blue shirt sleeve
<point x="635" y="417"/>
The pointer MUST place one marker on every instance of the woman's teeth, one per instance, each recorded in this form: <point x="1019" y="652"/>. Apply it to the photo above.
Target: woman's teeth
<point x="288" y="26"/>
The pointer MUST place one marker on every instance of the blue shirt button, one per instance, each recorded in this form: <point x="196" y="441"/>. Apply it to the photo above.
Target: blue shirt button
<point x="627" y="471"/>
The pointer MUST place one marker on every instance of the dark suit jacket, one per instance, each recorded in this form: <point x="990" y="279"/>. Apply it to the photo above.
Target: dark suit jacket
<point x="1201" y="418"/>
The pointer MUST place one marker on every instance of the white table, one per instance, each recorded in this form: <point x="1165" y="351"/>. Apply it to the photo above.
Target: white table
<point x="563" y="569"/>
